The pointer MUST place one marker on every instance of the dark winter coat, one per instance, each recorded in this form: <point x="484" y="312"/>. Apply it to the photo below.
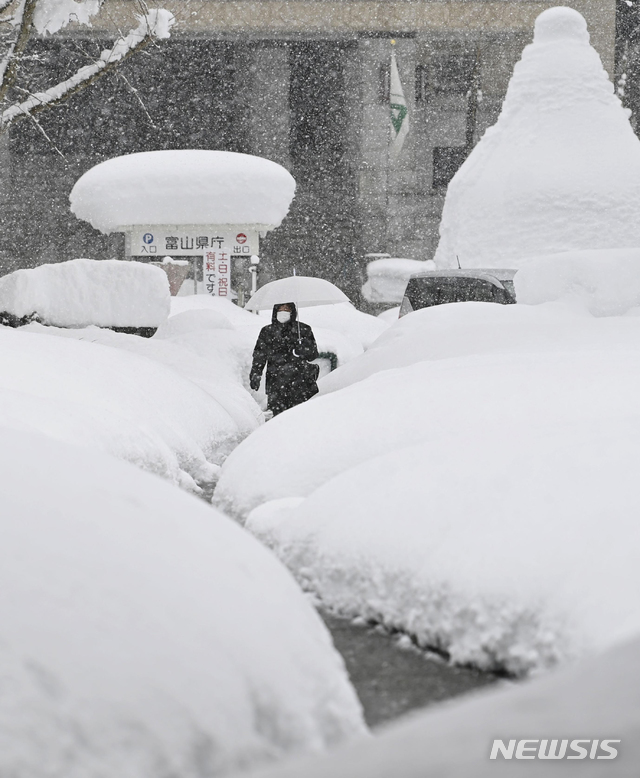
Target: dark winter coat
<point x="286" y="350"/>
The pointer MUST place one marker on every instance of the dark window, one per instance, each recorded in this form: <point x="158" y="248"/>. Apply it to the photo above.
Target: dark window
<point x="446" y="163"/>
<point x="425" y="292"/>
<point x="422" y="83"/>
<point x="384" y="83"/>
<point x="452" y="74"/>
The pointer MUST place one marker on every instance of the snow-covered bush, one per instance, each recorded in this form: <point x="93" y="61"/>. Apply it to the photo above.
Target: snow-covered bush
<point x="80" y="292"/>
<point x="468" y="329"/>
<point x="559" y="171"/>
<point x="482" y="500"/>
<point x="143" y="634"/>
<point x="107" y="398"/>
<point x="606" y="281"/>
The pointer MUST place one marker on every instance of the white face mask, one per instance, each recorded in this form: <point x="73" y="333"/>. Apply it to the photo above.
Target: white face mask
<point x="283" y="316"/>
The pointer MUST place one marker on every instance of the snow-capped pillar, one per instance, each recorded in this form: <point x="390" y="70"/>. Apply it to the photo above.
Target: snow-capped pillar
<point x="269" y="114"/>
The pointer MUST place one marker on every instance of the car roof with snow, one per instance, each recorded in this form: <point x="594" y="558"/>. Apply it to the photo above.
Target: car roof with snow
<point x="487" y="274"/>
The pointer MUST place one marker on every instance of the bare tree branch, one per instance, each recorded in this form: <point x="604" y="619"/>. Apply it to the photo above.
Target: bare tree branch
<point x="11" y="63"/>
<point x="153" y="26"/>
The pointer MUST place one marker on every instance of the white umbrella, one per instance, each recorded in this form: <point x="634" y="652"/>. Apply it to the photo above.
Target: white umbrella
<point x="304" y="291"/>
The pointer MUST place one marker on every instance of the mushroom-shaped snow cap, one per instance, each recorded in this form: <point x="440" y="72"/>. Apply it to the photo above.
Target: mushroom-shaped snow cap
<point x="183" y="187"/>
<point x="560" y="24"/>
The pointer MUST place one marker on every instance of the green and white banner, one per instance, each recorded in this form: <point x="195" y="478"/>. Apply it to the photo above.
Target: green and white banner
<point x="399" y="110"/>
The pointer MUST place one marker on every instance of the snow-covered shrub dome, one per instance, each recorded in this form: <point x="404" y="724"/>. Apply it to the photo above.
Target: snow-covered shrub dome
<point x="183" y="187"/>
<point x="81" y="292"/>
<point x="607" y="282"/>
<point x="142" y="633"/>
<point x="559" y="171"/>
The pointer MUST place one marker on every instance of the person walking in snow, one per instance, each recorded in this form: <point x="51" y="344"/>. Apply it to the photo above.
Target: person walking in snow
<point x="286" y="347"/>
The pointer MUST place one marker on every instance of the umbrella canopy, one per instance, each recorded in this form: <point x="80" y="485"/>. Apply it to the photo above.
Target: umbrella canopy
<point x="304" y="291"/>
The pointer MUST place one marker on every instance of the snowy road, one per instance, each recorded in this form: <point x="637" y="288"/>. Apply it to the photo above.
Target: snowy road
<point x="390" y="680"/>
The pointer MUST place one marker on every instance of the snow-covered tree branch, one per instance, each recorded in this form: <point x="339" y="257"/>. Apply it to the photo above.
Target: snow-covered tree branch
<point x="28" y="17"/>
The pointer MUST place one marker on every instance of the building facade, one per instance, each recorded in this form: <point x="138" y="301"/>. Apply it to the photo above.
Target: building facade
<point x="302" y="82"/>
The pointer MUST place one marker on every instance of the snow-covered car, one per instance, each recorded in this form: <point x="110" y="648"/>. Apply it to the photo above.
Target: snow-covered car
<point x="437" y="287"/>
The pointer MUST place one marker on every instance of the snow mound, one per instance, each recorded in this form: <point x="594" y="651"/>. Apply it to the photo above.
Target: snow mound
<point x="447" y="541"/>
<point x="80" y="292"/>
<point x="143" y="633"/>
<point x="183" y="187"/>
<point x="559" y="171"/>
<point x="193" y="320"/>
<point x="219" y="370"/>
<point x="135" y="408"/>
<point x="482" y="501"/>
<point x="606" y="281"/>
<point x="387" y="278"/>
<point x="595" y="699"/>
<point x="345" y="319"/>
<point x="466" y="329"/>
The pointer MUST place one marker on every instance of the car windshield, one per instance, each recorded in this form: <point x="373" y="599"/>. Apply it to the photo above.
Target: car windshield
<point x="424" y="292"/>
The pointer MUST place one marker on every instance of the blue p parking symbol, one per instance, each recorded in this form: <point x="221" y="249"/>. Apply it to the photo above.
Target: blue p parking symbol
<point x="147" y="237"/>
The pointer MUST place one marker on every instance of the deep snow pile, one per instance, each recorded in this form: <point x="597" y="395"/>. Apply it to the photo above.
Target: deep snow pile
<point x="387" y="278"/>
<point x="462" y="329"/>
<point x="607" y="282"/>
<point x="143" y="633"/>
<point x="432" y="496"/>
<point x="220" y="369"/>
<point x="598" y="699"/>
<point x="183" y="187"/>
<point x="559" y="171"/>
<point x="80" y="292"/>
<point x="122" y="403"/>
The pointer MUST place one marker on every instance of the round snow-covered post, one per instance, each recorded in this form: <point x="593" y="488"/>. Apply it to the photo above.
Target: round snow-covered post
<point x="208" y="207"/>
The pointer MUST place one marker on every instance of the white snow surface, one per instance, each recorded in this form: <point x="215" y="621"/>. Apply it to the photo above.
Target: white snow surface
<point x="219" y="369"/>
<point x="607" y="282"/>
<point x="183" y="187"/>
<point x="387" y="278"/>
<point x="598" y="699"/>
<point x="347" y="320"/>
<point x="122" y="403"/>
<point x="481" y="498"/>
<point x="143" y="633"/>
<point x="465" y="329"/>
<point x="559" y="171"/>
<point x="81" y="292"/>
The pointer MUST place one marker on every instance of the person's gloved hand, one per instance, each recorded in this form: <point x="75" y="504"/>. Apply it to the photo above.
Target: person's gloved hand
<point x="254" y="382"/>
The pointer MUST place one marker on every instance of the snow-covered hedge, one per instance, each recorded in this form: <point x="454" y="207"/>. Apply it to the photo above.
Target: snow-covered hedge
<point x="80" y="292"/>
<point x="483" y="502"/>
<point x="143" y="634"/>
<point x="606" y="281"/>
<point x="120" y="402"/>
